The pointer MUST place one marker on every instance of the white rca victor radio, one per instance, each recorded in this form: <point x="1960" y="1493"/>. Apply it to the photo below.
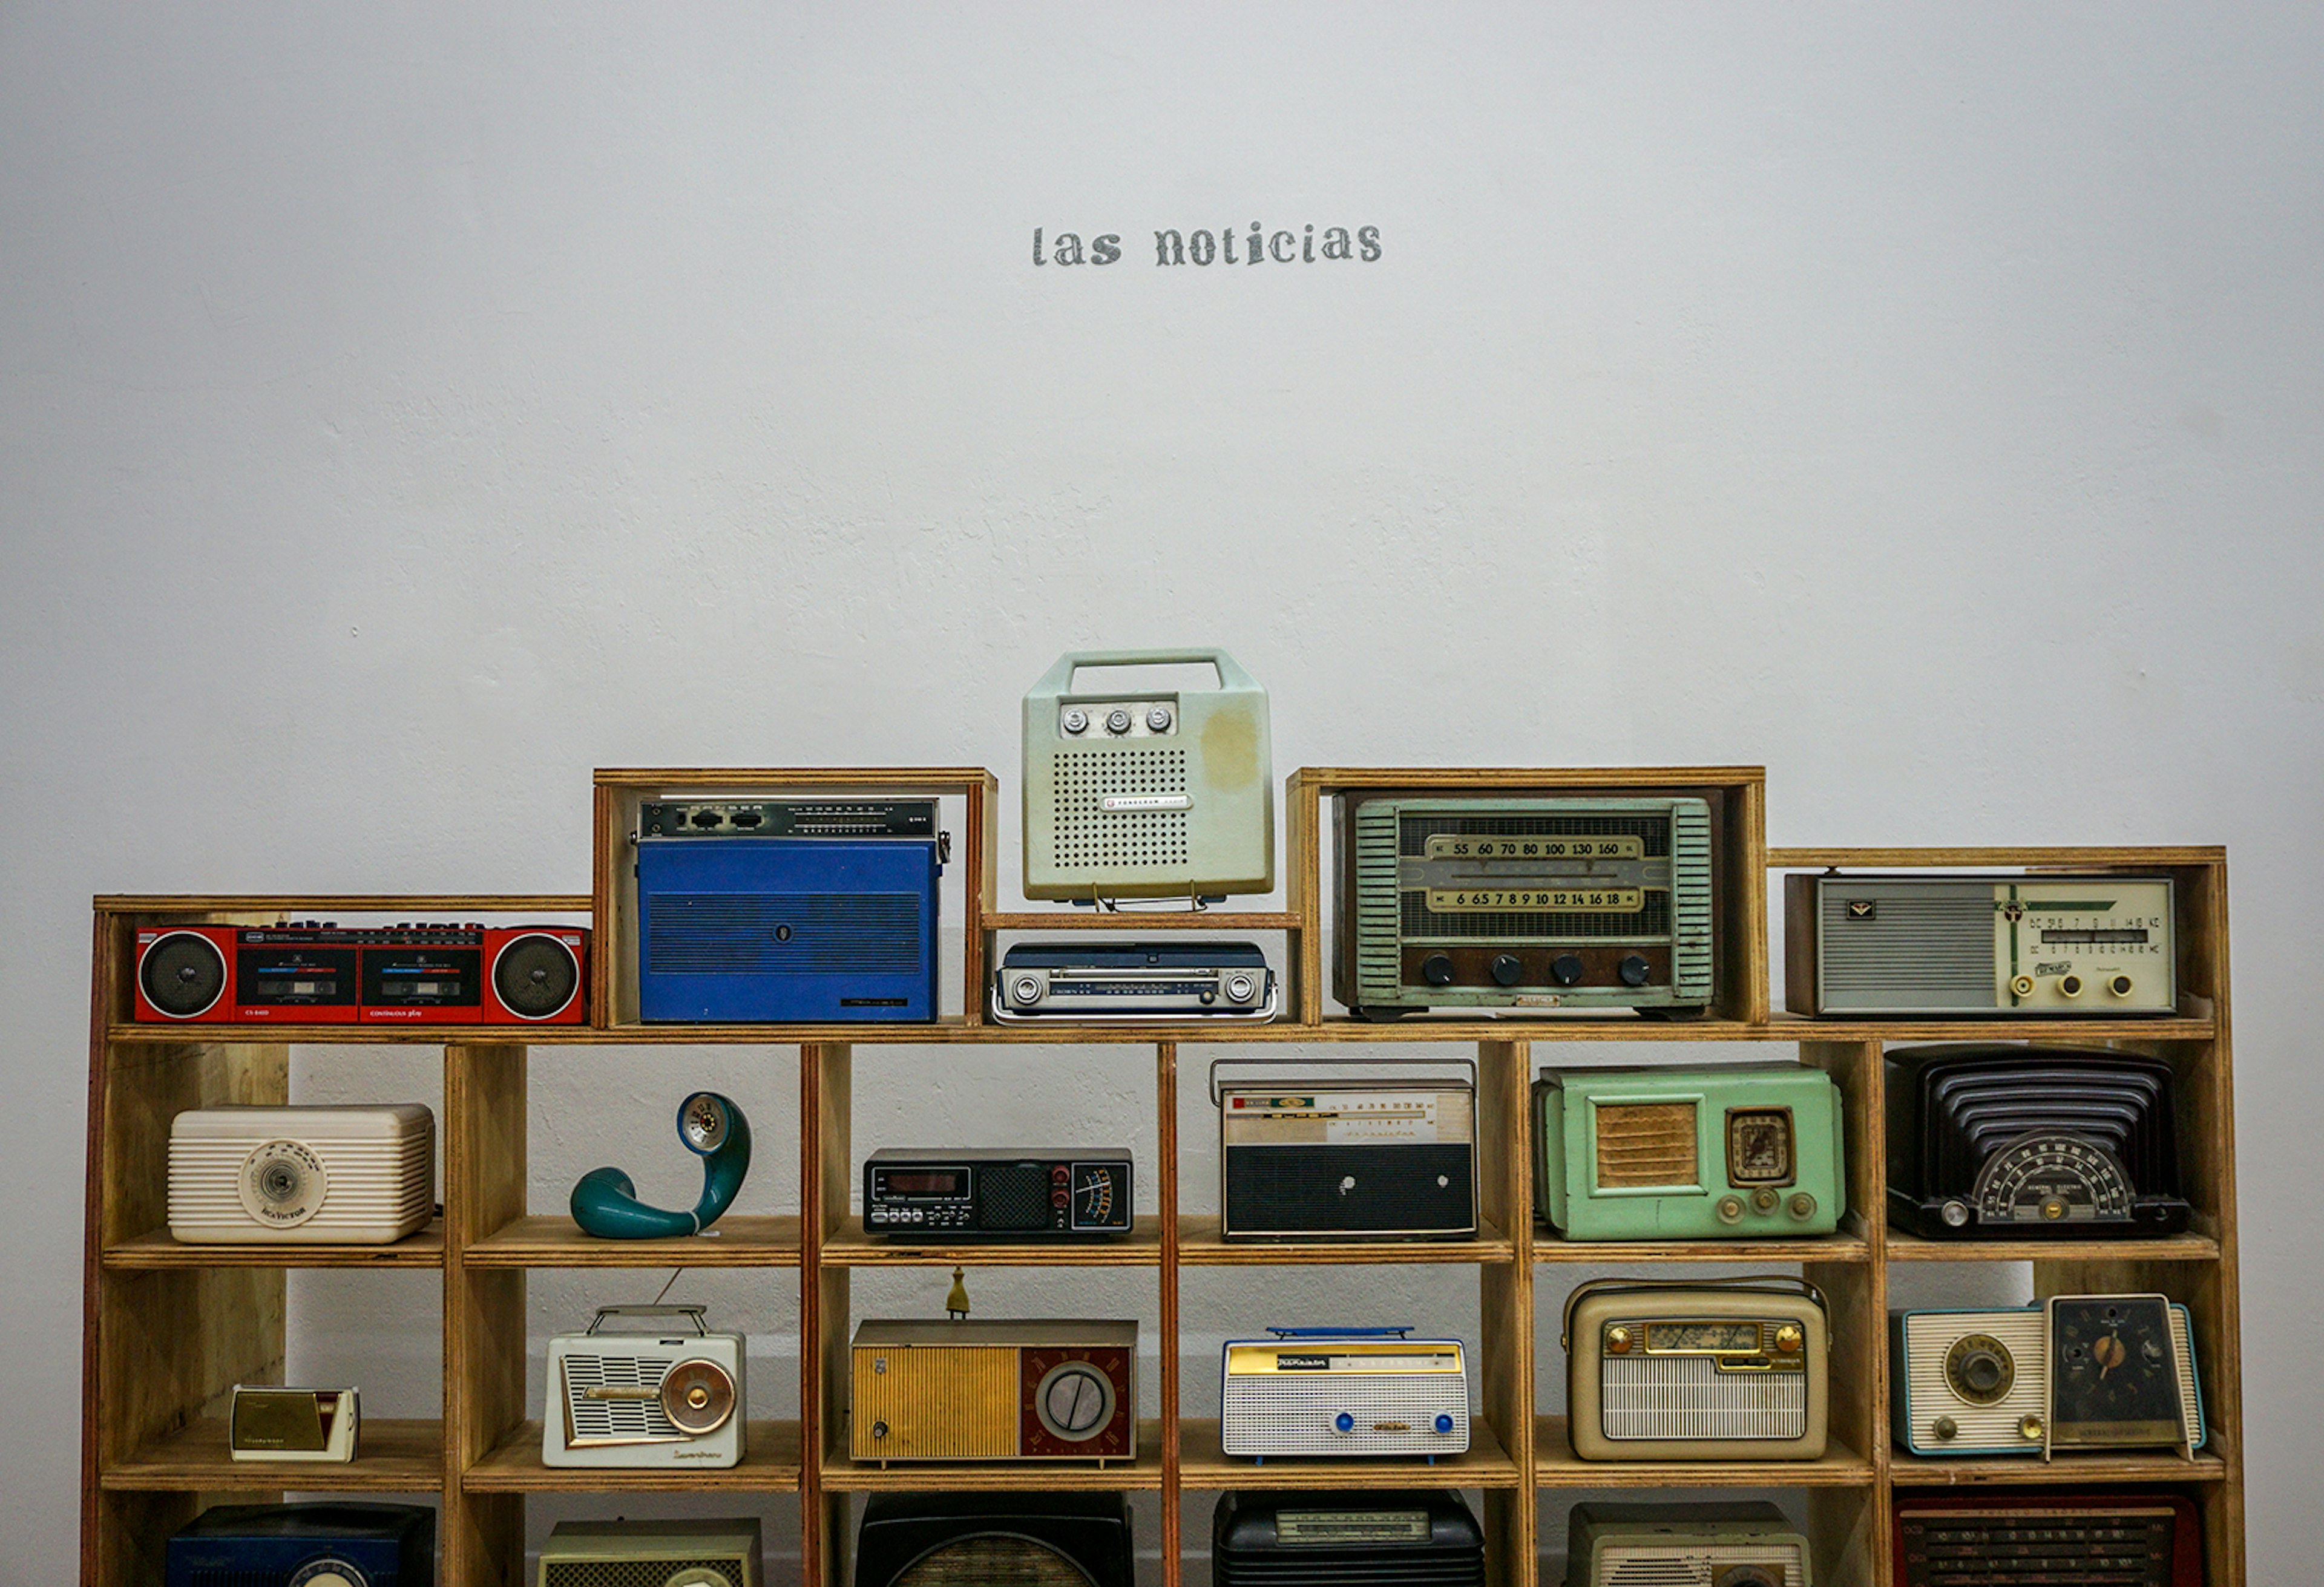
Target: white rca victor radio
<point x="1344" y="1392"/>
<point x="2078" y="1372"/>
<point x="672" y="1397"/>
<point x="1707" y="1369"/>
<point x="301" y="1175"/>
<point x="1147" y="792"/>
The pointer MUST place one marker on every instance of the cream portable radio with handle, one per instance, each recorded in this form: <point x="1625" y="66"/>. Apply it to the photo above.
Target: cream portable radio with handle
<point x="674" y="1397"/>
<point x="1342" y="1392"/>
<point x="1147" y="792"/>
<point x="1707" y="1369"/>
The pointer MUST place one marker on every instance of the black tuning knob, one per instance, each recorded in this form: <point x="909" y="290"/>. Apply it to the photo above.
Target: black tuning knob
<point x="1507" y="968"/>
<point x="1634" y="971"/>
<point x="1565" y="970"/>
<point x="1438" y="970"/>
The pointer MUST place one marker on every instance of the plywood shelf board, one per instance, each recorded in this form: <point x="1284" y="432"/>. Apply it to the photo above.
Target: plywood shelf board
<point x="1964" y="858"/>
<point x="840" y="1473"/>
<point x="738" y="1240"/>
<point x="850" y="1247"/>
<point x="1206" y="1464"/>
<point x="1132" y="922"/>
<point x="1555" y="1465"/>
<point x="1903" y="1247"/>
<point x="1906" y="1471"/>
<point x="397" y="1456"/>
<point x="158" y="1248"/>
<point x="344" y="903"/>
<point x="1548" y="1248"/>
<point x="770" y="1464"/>
<point x="1200" y="1244"/>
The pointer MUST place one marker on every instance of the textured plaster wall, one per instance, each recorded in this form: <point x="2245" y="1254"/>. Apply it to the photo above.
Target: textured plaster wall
<point x="405" y="409"/>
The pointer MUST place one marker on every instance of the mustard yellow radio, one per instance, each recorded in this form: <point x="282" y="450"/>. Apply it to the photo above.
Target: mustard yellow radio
<point x="994" y="1389"/>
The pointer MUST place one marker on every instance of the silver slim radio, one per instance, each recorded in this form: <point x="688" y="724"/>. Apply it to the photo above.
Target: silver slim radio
<point x="1150" y="983"/>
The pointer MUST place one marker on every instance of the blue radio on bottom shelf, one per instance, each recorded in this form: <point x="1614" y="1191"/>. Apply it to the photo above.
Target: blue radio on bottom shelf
<point x="759" y="929"/>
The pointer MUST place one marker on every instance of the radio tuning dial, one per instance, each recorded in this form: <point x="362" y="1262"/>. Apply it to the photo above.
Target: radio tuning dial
<point x="1026" y="989"/>
<point x="1565" y="970"/>
<point x="1788" y="1339"/>
<point x="1617" y="1341"/>
<point x="1240" y="988"/>
<point x="1730" y="1209"/>
<point x="1634" y="971"/>
<point x="1507" y="968"/>
<point x="1437" y="969"/>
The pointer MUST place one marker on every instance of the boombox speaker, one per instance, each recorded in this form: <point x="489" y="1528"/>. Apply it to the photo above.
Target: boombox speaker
<point x="1147" y="793"/>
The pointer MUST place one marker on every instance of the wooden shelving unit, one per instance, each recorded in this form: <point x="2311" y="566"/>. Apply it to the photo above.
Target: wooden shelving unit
<point x="169" y="1328"/>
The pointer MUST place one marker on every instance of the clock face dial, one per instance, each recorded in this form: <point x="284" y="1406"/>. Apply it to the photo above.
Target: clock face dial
<point x="2114" y="1380"/>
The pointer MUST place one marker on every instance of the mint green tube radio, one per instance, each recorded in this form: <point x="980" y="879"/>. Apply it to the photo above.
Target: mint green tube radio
<point x="1736" y="1151"/>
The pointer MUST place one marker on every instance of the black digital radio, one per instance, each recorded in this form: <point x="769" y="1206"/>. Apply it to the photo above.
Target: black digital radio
<point x="997" y="1193"/>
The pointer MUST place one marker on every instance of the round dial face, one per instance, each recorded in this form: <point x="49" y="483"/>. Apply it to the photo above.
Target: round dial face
<point x="283" y="1184"/>
<point x="699" y="1396"/>
<point x="1980" y="1368"/>
<point x="2049" y="1177"/>
<point x="1075" y="1401"/>
<point x="2114" y="1380"/>
<point x="1096" y="1203"/>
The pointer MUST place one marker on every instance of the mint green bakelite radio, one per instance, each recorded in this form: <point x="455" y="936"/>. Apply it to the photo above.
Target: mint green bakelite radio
<point x="1147" y="793"/>
<point x="1733" y="1151"/>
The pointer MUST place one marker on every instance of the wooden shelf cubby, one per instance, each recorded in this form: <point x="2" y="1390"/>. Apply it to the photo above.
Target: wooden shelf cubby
<point x="169" y="1328"/>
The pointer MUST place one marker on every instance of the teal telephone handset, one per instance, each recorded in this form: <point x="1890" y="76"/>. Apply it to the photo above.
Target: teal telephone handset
<point x="605" y="1201"/>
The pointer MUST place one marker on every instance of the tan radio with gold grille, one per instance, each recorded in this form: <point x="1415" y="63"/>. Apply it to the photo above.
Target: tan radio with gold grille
<point x="994" y="1389"/>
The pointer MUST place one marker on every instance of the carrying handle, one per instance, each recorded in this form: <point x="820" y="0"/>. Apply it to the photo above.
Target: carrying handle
<point x="1738" y="1281"/>
<point x="1403" y="1332"/>
<point x="692" y="1313"/>
<point x="1059" y="678"/>
<point x="1218" y="1097"/>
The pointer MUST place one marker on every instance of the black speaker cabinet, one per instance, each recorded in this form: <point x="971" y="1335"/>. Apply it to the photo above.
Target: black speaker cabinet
<point x="975" y="1540"/>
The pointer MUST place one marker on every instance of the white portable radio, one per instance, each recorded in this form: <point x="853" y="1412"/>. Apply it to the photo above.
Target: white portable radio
<point x="301" y="1175"/>
<point x="1147" y="792"/>
<point x="669" y="1398"/>
<point x="1344" y="1392"/>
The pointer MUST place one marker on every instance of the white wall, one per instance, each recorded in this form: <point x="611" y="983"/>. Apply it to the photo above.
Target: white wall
<point x="404" y="411"/>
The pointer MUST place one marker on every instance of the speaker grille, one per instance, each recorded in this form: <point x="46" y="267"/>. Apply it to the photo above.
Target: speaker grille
<point x="784" y="933"/>
<point x="636" y="1573"/>
<point x="1013" y="1196"/>
<point x="182" y="974"/>
<point x="1686" y="1397"/>
<point x="1090" y="836"/>
<point x="1645" y="1143"/>
<point x="1306" y="1189"/>
<point x="536" y="975"/>
<point x="600" y="1420"/>
<point x="993" y="1560"/>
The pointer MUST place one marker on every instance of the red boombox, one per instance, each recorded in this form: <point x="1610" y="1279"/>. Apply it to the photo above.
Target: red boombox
<point x="313" y="972"/>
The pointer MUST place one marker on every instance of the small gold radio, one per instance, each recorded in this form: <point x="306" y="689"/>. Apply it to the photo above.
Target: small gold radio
<point x="267" y="1423"/>
<point x="1709" y="1368"/>
<point x="996" y="1389"/>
